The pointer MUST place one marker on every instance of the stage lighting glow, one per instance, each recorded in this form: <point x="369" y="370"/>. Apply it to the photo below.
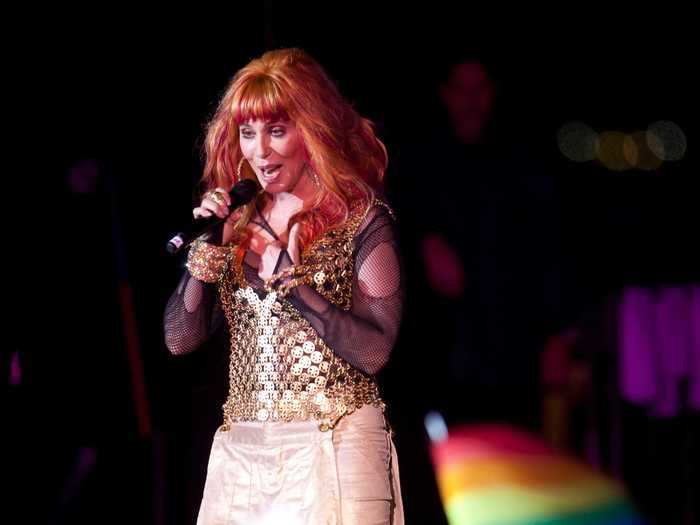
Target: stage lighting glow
<point x="435" y="426"/>
<point x="578" y="142"/>
<point x="489" y="474"/>
<point x="638" y="153"/>
<point x="611" y="153"/>
<point x="666" y="140"/>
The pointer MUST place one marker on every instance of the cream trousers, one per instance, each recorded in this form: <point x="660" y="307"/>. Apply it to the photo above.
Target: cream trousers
<point x="293" y="474"/>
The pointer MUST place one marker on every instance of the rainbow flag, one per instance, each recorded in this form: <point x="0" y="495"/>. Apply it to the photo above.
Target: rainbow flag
<point x="498" y="475"/>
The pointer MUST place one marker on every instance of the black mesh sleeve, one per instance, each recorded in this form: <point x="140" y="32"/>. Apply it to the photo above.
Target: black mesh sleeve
<point x="365" y="335"/>
<point x="192" y="314"/>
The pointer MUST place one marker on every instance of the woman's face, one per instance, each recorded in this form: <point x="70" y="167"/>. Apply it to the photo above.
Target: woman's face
<point x="275" y="151"/>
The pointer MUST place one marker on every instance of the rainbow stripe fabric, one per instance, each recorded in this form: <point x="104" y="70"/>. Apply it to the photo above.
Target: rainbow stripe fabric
<point x="498" y="475"/>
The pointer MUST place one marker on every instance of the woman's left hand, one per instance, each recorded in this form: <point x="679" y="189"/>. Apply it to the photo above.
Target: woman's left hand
<point x="293" y="244"/>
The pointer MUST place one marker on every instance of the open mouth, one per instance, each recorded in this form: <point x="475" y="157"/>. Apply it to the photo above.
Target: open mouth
<point x="271" y="171"/>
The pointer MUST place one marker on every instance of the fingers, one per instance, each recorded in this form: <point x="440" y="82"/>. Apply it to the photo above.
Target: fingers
<point x="201" y="212"/>
<point x="216" y="203"/>
<point x="224" y="194"/>
<point x="220" y="210"/>
<point x="293" y="245"/>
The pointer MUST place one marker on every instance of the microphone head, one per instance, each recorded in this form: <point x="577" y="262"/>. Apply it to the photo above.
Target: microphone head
<point x="244" y="191"/>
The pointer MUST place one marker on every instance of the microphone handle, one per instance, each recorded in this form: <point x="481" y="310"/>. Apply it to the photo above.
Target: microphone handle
<point x="184" y="239"/>
<point x="242" y="193"/>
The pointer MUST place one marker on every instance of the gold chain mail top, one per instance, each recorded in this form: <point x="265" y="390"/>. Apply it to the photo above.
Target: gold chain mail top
<point x="311" y="354"/>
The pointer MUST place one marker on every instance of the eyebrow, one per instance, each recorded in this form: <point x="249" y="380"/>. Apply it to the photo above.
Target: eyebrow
<point x="269" y="124"/>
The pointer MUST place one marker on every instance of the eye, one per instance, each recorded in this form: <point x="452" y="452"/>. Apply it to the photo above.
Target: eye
<point x="278" y="131"/>
<point x="247" y="133"/>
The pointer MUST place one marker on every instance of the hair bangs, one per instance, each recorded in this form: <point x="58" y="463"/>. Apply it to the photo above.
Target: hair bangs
<point x="260" y="99"/>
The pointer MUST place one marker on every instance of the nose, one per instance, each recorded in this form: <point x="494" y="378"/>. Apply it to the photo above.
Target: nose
<point x="262" y="145"/>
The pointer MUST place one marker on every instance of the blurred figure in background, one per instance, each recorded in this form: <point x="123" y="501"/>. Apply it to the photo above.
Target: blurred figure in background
<point x="486" y="259"/>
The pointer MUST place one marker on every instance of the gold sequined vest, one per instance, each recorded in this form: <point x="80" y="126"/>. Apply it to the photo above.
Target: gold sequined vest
<point x="280" y="369"/>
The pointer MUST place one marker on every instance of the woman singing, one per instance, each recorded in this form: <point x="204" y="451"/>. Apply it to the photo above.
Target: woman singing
<point x="307" y="279"/>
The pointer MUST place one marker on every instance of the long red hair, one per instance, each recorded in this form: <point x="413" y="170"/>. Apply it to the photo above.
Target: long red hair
<point x="341" y="145"/>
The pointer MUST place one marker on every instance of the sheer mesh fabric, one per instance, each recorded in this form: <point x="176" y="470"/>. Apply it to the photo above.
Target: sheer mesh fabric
<point x="192" y="315"/>
<point x="364" y="335"/>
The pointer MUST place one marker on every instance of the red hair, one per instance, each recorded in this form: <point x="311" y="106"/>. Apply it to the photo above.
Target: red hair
<point x="341" y="145"/>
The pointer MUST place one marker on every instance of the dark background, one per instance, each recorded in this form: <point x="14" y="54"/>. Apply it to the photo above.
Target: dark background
<point x="133" y="91"/>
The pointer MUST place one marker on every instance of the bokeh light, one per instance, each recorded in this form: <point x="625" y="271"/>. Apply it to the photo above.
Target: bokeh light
<point x="638" y="154"/>
<point x="666" y="140"/>
<point x="612" y="151"/>
<point x="578" y="142"/>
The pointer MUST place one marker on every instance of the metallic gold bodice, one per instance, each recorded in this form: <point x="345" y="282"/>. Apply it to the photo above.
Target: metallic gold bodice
<point x="280" y="369"/>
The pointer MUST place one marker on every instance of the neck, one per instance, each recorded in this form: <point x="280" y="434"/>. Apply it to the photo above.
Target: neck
<point x="293" y="201"/>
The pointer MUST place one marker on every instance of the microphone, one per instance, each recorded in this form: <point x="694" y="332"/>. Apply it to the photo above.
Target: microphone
<point x="241" y="193"/>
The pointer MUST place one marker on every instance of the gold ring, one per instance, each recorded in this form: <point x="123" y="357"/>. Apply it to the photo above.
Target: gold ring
<point x="216" y="197"/>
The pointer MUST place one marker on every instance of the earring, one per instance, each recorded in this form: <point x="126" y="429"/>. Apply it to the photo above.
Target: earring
<point x="238" y="170"/>
<point x="314" y="177"/>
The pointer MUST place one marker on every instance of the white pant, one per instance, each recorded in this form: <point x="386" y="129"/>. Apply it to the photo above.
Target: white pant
<point x="294" y="474"/>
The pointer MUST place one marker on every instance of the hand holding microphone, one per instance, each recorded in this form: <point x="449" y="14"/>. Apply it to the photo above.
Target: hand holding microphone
<point x="214" y="202"/>
<point x="215" y="207"/>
